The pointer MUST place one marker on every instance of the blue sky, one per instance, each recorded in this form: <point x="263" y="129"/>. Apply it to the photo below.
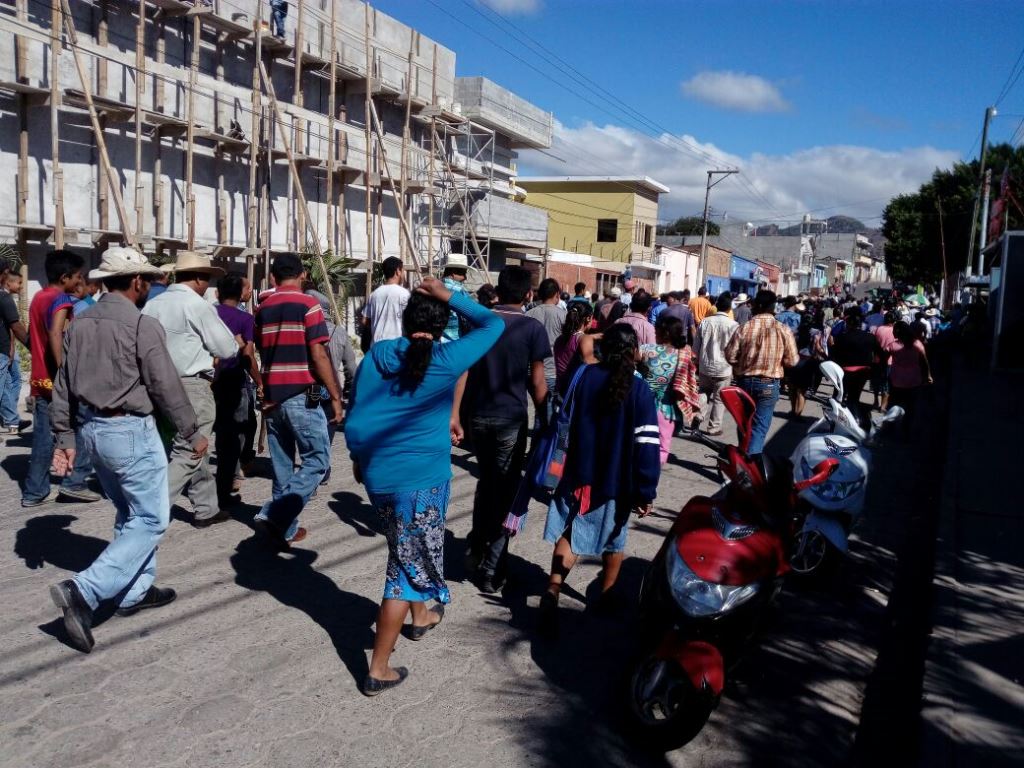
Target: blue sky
<point x="823" y="104"/>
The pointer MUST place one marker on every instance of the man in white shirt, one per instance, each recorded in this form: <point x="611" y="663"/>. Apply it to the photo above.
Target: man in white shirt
<point x="196" y="339"/>
<point x="713" y="370"/>
<point x="384" y="310"/>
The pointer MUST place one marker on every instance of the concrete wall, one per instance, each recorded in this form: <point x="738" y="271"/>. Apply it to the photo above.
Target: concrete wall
<point x="573" y="214"/>
<point x="488" y="103"/>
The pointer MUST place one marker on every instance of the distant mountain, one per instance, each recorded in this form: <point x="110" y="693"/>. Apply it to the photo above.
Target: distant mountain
<point x="841" y="224"/>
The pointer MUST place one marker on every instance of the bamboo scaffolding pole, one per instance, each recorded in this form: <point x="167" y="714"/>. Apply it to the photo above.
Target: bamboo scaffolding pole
<point x="190" y="136"/>
<point x="158" y="144"/>
<point x="310" y="223"/>
<point x="331" y="135"/>
<point x="404" y="243"/>
<point x="299" y="99"/>
<point x="21" y="70"/>
<point x="391" y="183"/>
<point x="103" y="198"/>
<point x="370" y="255"/>
<point x="108" y="171"/>
<point x="140" y="87"/>
<point x="431" y="169"/>
<point x="254" y="141"/>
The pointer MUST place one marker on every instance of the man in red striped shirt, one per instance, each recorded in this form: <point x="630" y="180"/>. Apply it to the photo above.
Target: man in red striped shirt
<point x="291" y="335"/>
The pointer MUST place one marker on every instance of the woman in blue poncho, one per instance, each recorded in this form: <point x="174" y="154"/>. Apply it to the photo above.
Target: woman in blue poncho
<point x="398" y="435"/>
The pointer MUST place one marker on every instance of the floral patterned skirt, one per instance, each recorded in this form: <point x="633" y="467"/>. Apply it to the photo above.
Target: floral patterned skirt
<point x="414" y="526"/>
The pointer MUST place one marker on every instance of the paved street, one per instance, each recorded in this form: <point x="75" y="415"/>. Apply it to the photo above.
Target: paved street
<point x="257" y="662"/>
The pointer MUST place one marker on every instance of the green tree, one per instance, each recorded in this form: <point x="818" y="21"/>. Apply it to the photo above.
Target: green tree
<point x="911" y="222"/>
<point x="690" y="225"/>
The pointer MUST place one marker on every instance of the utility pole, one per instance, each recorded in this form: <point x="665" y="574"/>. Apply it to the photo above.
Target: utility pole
<point x="986" y="188"/>
<point x="989" y="114"/>
<point x="704" y="235"/>
<point x="942" y="243"/>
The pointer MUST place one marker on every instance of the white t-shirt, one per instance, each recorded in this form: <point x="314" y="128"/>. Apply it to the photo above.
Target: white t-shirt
<point x="384" y="311"/>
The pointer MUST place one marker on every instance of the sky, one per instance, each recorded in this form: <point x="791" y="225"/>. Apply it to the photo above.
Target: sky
<point x="825" y="106"/>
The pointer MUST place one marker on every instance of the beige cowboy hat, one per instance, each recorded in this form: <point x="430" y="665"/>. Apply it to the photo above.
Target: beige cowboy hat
<point x="123" y="261"/>
<point x="192" y="261"/>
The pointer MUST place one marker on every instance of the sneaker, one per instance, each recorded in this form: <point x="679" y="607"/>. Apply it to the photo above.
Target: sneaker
<point x="154" y="598"/>
<point x="714" y="433"/>
<point x="77" y="614"/>
<point x="78" y="494"/>
<point x="37" y="502"/>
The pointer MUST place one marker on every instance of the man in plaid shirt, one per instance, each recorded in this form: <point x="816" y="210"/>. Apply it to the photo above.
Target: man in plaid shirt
<point x="758" y="352"/>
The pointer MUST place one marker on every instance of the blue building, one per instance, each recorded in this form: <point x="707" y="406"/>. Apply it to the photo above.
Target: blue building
<point x="743" y="275"/>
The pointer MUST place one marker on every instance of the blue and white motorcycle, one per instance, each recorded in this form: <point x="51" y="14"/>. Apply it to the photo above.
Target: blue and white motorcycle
<point x="832" y="509"/>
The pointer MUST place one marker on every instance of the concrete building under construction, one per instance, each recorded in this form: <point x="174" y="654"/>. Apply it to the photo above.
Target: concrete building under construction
<point x="176" y="125"/>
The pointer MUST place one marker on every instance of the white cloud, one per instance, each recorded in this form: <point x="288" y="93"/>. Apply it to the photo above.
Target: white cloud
<point x="512" y="7"/>
<point x="851" y="180"/>
<point x="735" y="90"/>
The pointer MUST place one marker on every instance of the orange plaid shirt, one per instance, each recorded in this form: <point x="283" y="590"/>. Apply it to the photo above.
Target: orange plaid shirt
<point x="761" y="347"/>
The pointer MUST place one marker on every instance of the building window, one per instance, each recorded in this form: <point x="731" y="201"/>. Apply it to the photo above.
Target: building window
<point x="648" y="234"/>
<point x="607" y="230"/>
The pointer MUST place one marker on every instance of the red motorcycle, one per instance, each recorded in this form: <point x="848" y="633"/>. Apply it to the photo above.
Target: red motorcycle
<point x="718" y="570"/>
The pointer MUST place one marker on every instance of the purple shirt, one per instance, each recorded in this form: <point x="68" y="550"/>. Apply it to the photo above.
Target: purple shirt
<point x="240" y="324"/>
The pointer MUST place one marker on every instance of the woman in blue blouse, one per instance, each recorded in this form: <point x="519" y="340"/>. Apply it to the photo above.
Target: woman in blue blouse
<point x="398" y="435"/>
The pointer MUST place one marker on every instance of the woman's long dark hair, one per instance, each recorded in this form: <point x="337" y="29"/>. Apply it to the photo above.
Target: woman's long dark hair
<point x="803" y="333"/>
<point x="618" y="354"/>
<point x="577" y="318"/>
<point x="423" y="314"/>
<point x="670" y="328"/>
<point x="904" y="334"/>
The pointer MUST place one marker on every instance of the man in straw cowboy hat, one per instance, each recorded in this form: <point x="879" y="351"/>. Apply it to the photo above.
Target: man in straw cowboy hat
<point x="196" y="339"/>
<point x="116" y="372"/>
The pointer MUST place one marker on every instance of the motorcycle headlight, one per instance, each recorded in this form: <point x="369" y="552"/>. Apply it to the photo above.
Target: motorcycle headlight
<point x="702" y="598"/>
<point x="831" y="490"/>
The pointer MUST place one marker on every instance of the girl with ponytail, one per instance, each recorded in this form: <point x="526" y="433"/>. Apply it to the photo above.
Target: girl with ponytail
<point x="611" y="468"/>
<point x="578" y="317"/>
<point x="398" y="435"/>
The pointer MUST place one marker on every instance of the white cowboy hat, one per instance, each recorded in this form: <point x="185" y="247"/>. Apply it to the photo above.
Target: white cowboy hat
<point x="741" y="298"/>
<point x="192" y="261"/>
<point x="615" y="292"/>
<point x="123" y="261"/>
<point x="456" y="261"/>
<point x="931" y="312"/>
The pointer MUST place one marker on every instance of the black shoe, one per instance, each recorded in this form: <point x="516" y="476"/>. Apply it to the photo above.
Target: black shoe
<point x="413" y="632"/>
<point x="205" y="522"/>
<point x="154" y="598"/>
<point x="77" y="614"/>
<point x="372" y="686"/>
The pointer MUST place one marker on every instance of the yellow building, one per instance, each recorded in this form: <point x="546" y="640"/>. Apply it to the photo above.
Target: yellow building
<point x="611" y="218"/>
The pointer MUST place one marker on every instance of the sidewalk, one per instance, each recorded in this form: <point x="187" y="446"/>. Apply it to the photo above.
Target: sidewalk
<point x="973" y="702"/>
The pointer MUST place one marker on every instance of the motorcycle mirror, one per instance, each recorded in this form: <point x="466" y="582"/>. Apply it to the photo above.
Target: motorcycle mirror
<point x="822" y="471"/>
<point x="831" y="371"/>
<point x="894" y="414"/>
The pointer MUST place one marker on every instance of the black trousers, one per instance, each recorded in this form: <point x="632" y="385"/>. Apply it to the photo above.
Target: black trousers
<point x="231" y="426"/>
<point x="500" y="448"/>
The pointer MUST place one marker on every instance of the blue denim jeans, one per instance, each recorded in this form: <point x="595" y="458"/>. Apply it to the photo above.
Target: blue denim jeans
<point x="37" y="480"/>
<point x="278" y="12"/>
<point x="294" y="429"/>
<point x="765" y="392"/>
<point x="132" y="468"/>
<point x="10" y="390"/>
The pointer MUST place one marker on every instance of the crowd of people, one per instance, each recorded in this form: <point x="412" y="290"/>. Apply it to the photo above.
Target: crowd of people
<point x="132" y="380"/>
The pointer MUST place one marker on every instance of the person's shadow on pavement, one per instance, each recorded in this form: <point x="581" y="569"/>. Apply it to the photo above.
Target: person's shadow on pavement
<point x="352" y="510"/>
<point x="291" y="580"/>
<point x="48" y="539"/>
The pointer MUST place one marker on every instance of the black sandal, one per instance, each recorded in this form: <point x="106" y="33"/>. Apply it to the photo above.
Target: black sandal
<point x="413" y="632"/>
<point x="372" y="686"/>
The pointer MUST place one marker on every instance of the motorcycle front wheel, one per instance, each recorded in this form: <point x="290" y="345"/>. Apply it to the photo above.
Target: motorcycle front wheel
<point x="812" y="554"/>
<point x="665" y="707"/>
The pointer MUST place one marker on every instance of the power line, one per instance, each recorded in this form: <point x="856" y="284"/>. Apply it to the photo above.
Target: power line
<point x="1011" y="79"/>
